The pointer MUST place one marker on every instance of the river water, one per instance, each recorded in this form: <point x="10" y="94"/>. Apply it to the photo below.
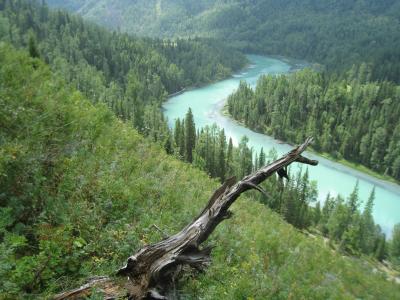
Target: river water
<point x="331" y="177"/>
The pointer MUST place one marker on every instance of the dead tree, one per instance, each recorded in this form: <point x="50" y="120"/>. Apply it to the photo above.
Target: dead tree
<point x="150" y="272"/>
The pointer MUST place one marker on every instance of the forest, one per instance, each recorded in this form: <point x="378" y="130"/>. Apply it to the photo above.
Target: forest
<point x="333" y="33"/>
<point x="81" y="189"/>
<point x="351" y="117"/>
<point x="131" y="75"/>
<point x="90" y="170"/>
<point x="341" y="220"/>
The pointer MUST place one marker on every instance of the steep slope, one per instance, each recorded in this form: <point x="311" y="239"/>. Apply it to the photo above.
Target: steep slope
<point x="80" y="190"/>
<point x="133" y="76"/>
<point x="336" y="33"/>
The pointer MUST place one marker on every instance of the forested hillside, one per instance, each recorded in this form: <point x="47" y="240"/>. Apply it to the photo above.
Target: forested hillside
<point x="347" y="223"/>
<point x="80" y="190"/>
<point x="131" y="75"/>
<point x="90" y="171"/>
<point x="351" y="118"/>
<point x="335" y="33"/>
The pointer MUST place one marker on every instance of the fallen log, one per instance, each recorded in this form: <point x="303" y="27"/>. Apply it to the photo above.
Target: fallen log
<point x="150" y="272"/>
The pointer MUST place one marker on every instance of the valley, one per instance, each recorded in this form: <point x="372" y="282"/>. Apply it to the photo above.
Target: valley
<point x="332" y="178"/>
<point x="148" y="149"/>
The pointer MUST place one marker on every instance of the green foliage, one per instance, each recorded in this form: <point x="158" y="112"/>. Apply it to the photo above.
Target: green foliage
<point x="335" y="33"/>
<point x="190" y="136"/>
<point x="354" y="231"/>
<point x="349" y="118"/>
<point x="33" y="51"/>
<point x="130" y="75"/>
<point x="268" y="260"/>
<point x="211" y="154"/>
<point x="80" y="191"/>
<point x="395" y="245"/>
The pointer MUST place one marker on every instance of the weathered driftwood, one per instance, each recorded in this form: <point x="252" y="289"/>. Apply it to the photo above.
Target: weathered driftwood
<point x="150" y="272"/>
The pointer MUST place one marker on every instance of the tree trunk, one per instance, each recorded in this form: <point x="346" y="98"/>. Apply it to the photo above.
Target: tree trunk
<point x="151" y="272"/>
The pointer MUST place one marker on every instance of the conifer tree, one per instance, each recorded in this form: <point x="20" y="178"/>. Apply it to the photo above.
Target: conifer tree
<point x="168" y="144"/>
<point x="245" y="158"/>
<point x="190" y="136"/>
<point x="177" y="132"/>
<point x="182" y="139"/>
<point x="381" y="251"/>
<point x="221" y="155"/>
<point x="395" y="245"/>
<point x="317" y="213"/>
<point x="261" y="158"/>
<point x="354" y="200"/>
<point x="32" y="47"/>
<point x="368" y="232"/>
<point x="229" y="159"/>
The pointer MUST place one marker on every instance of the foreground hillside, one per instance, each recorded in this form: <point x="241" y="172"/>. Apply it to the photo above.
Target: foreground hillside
<point x="80" y="191"/>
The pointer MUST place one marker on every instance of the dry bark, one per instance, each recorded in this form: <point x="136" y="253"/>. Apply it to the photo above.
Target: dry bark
<point x="151" y="271"/>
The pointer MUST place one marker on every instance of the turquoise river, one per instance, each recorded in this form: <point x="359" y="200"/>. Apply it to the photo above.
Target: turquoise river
<point x="334" y="178"/>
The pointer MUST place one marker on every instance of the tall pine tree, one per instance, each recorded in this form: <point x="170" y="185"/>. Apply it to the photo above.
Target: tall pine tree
<point x="190" y="136"/>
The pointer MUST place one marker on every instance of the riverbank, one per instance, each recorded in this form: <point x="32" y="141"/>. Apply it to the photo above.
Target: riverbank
<point x="295" y="65"/>
<point x="332" y="178"/>
<point x="356" y="166"/>
<point x="204" y="84"/>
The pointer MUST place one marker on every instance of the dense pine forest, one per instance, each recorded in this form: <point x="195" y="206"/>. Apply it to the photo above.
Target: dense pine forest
<point x="351" y="117"/>
<point x="131" y="75"/>
<point x="335" y="33"/>
<point x="90" y="171"/>
<point x="349" y="227"/>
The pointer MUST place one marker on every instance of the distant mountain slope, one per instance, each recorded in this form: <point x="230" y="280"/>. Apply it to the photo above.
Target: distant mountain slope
<point x="131" y="75"/>
<point x="336" y="33"/>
